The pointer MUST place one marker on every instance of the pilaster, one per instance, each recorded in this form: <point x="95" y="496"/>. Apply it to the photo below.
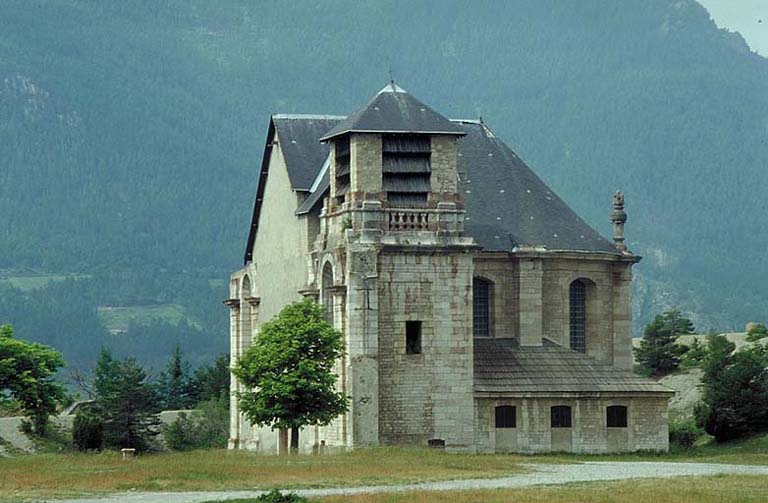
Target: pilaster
<point x="531" y="302"/>
<point x="622" y="316"/>
<point x="362" y="325"/>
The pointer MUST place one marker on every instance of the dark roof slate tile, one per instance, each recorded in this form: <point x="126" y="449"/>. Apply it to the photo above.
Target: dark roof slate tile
<point x="393" y="110"/>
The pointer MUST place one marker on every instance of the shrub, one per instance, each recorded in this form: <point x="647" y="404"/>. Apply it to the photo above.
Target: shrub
<point x="275" y="496"/>
<point x="757" y="332"/>
<point x="87" y="431"/>
<point x="684" y="432"/>
<point x="205" y="428"/>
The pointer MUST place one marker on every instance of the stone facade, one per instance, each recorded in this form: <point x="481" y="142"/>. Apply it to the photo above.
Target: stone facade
<point x="647" y="425"/>
<point x="399" y="284"/>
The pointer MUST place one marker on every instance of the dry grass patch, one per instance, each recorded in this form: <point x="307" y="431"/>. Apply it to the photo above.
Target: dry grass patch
<point x="716" y="489"/>
<point x="53" y="475"/>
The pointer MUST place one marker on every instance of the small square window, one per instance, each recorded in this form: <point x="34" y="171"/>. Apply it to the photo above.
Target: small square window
<point x="616" y="416"/>
<point x="506" y="416"/>
<point x="561" y="416"/>
<point x="413" y="337"/>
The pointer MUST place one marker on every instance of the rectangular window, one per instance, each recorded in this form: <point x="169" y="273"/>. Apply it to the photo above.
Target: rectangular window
<point x="616" y="416"/>
<point x="506" y="416"/>
<point x="561" y="416"/>
<point x="481" y="308"/>
<point x="413" y="337"/>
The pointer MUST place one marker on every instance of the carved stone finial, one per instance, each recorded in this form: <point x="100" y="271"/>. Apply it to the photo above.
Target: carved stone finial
<point x="618" y="217"/>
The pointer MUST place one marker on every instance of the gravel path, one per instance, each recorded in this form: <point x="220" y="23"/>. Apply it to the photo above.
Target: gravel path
<point x="540" y="474"/>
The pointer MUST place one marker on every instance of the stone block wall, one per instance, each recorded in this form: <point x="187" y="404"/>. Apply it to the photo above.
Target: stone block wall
<point x="558" y="276"/>
<point x="443" y="164"/>
<point x="501" y="271"/>
<point x="427" y="395"/>
<point x="647" y="428"/>
<point x="365" y="163"/>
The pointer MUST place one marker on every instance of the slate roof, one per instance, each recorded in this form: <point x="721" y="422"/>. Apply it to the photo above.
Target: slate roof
<point x="303" y="153"/>
<point x="509" y="206"/>
<point x="393" y="110"/>
<point x="503" y="366"/>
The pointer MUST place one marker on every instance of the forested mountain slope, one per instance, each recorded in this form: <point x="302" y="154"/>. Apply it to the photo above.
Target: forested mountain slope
<point x="131" y="133"/>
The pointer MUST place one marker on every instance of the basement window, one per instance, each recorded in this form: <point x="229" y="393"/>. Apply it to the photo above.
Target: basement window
<point x="561" y="416"/>
<point x="506" y="416"/>
<point x="412" y="337"/>
<point x="616" y="416"/>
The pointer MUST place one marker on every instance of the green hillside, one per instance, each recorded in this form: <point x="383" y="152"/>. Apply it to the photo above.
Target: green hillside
<point x="130" y="136"/>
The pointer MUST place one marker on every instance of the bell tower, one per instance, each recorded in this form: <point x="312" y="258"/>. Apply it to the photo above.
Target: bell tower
<point x="393" y="224"/>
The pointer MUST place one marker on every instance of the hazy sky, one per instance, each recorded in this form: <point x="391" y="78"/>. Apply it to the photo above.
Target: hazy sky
<point x="744" y="16"/>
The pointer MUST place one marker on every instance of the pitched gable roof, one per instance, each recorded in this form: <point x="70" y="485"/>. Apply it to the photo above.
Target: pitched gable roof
<point x="394" y="110"/>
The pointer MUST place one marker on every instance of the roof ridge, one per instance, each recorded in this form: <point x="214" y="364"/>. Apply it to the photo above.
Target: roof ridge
<point x="309" y="116"/>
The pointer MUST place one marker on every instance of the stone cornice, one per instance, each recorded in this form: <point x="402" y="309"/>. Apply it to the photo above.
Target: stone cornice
<point x="231" y="303"/>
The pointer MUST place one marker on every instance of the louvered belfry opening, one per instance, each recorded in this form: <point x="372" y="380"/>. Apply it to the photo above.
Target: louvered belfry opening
<point x="577" y="294"/>
<point x="342" y="155"/>
<point x="405" y="169"/>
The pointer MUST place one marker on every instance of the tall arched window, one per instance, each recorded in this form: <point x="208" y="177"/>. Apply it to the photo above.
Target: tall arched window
<point x="577" y="294"/>
<point x="481" y="307"/>
<point x="327" y="292"/>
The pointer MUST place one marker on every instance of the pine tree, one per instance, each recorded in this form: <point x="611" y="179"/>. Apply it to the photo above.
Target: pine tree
<point x="659" y="353"/>
<point x="127" y="403"/>
<point x="735" y="399"/>
<point x="175" y="384"/>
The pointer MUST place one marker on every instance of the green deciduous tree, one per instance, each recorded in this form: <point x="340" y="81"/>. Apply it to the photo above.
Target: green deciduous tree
<point x="127" y="403"/>
<point x="27" y="373"/>
<point x="735" y="399"/>
<point x="659" y="353"/>
<point x="288" y="371"/>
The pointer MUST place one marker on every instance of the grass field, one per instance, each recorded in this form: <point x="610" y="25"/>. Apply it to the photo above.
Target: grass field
<point x="718" y="489"/>
<point x="58" y="475"/>
<point x="118" y="318"/>
<point x="35" y="281"/>
<point x="61" y="475"/>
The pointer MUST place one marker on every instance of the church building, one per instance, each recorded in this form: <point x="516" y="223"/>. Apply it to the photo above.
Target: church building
<point x="479" y="312"/>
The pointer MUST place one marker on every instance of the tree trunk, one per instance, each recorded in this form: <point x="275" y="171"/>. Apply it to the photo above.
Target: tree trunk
<point x="294" y="440"/>
<point x="282" y="447"/>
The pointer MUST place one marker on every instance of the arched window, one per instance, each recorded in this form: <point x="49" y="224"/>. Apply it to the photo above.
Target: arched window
<point x="327" y="292"/>
<point x="561" y="416"/>
<point x="481" y="307"/>
<point x="506" y="416"/>
<point x="577" y="295"/>
<point x="616" y="416"/>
